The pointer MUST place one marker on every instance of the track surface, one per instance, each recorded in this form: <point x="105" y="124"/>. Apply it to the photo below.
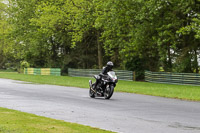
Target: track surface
<point x="126" y="113"/>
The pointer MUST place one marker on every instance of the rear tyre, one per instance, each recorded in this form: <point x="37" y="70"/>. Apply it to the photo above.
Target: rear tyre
<point x="109" y="91"/>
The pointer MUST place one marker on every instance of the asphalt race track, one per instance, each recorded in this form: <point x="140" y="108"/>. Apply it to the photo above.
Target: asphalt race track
<point x="125" y="113"/>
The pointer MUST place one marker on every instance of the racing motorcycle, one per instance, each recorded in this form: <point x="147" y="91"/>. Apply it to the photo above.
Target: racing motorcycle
<point x="105" y="85"/>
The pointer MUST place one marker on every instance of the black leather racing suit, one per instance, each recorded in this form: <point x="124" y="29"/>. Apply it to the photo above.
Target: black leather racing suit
<point x="104" y="72"/>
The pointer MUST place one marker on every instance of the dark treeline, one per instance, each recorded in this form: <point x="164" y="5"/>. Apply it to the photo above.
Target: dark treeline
<point x="161" y="35"/>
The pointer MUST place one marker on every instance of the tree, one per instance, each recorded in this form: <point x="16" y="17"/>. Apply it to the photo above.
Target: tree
<point x="5" y="44"/>
<point x="84" y="23"/>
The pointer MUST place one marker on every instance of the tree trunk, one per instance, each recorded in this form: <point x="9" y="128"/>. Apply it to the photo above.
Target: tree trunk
<point x="169" y="59"/>
<point x="196" y="62"/>
<point x="100" y="57"/>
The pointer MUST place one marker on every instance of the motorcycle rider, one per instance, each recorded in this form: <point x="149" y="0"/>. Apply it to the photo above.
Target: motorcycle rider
<point x="105" y="71"/>
<point x="108" y="68"/>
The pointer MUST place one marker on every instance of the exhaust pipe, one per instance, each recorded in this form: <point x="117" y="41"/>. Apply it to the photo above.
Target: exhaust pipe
<point x="90" y="83"/>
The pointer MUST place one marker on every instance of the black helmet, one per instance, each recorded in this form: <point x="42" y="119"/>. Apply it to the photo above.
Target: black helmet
<point x="110" y="65"/>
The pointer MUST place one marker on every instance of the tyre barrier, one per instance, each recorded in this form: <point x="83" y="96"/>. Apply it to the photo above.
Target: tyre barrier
<point x="43" y="71"/>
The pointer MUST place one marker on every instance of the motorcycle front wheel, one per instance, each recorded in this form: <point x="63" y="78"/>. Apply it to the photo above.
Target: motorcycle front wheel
<point x="108" y="91"/>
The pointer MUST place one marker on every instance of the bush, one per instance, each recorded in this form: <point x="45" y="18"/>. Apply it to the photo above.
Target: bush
<point x="23" y="64"/>
<point x="136" y="64"/>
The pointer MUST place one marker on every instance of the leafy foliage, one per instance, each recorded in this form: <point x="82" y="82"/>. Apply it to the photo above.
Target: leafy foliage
<point x="88" y="33"/>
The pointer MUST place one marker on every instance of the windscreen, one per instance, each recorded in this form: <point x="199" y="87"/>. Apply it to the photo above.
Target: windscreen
<point x="112" y="74"/>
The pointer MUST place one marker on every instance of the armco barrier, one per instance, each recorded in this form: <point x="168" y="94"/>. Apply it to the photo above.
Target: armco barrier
<point x="173" y="78"/>
<point x="121" y="74"/>
<point x="43" y="71"/>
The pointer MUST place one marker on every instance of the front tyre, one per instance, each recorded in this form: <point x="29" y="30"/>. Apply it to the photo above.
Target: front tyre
<point x="109" y="91"/>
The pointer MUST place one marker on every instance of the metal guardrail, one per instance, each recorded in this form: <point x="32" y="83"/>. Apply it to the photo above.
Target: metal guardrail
<point x="173" y="78"/>
<point x="121" y="74"/>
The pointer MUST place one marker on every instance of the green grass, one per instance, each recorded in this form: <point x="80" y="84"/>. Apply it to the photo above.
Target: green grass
<point x="185" y="92"/>
<point x="7" y="70"/>
<point x="12" y="121"/>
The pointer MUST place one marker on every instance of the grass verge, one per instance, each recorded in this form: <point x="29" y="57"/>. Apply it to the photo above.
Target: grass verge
<point x="12" y="121"/>
<point x="7" y="70"/>
<point x="185" y="92"/>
